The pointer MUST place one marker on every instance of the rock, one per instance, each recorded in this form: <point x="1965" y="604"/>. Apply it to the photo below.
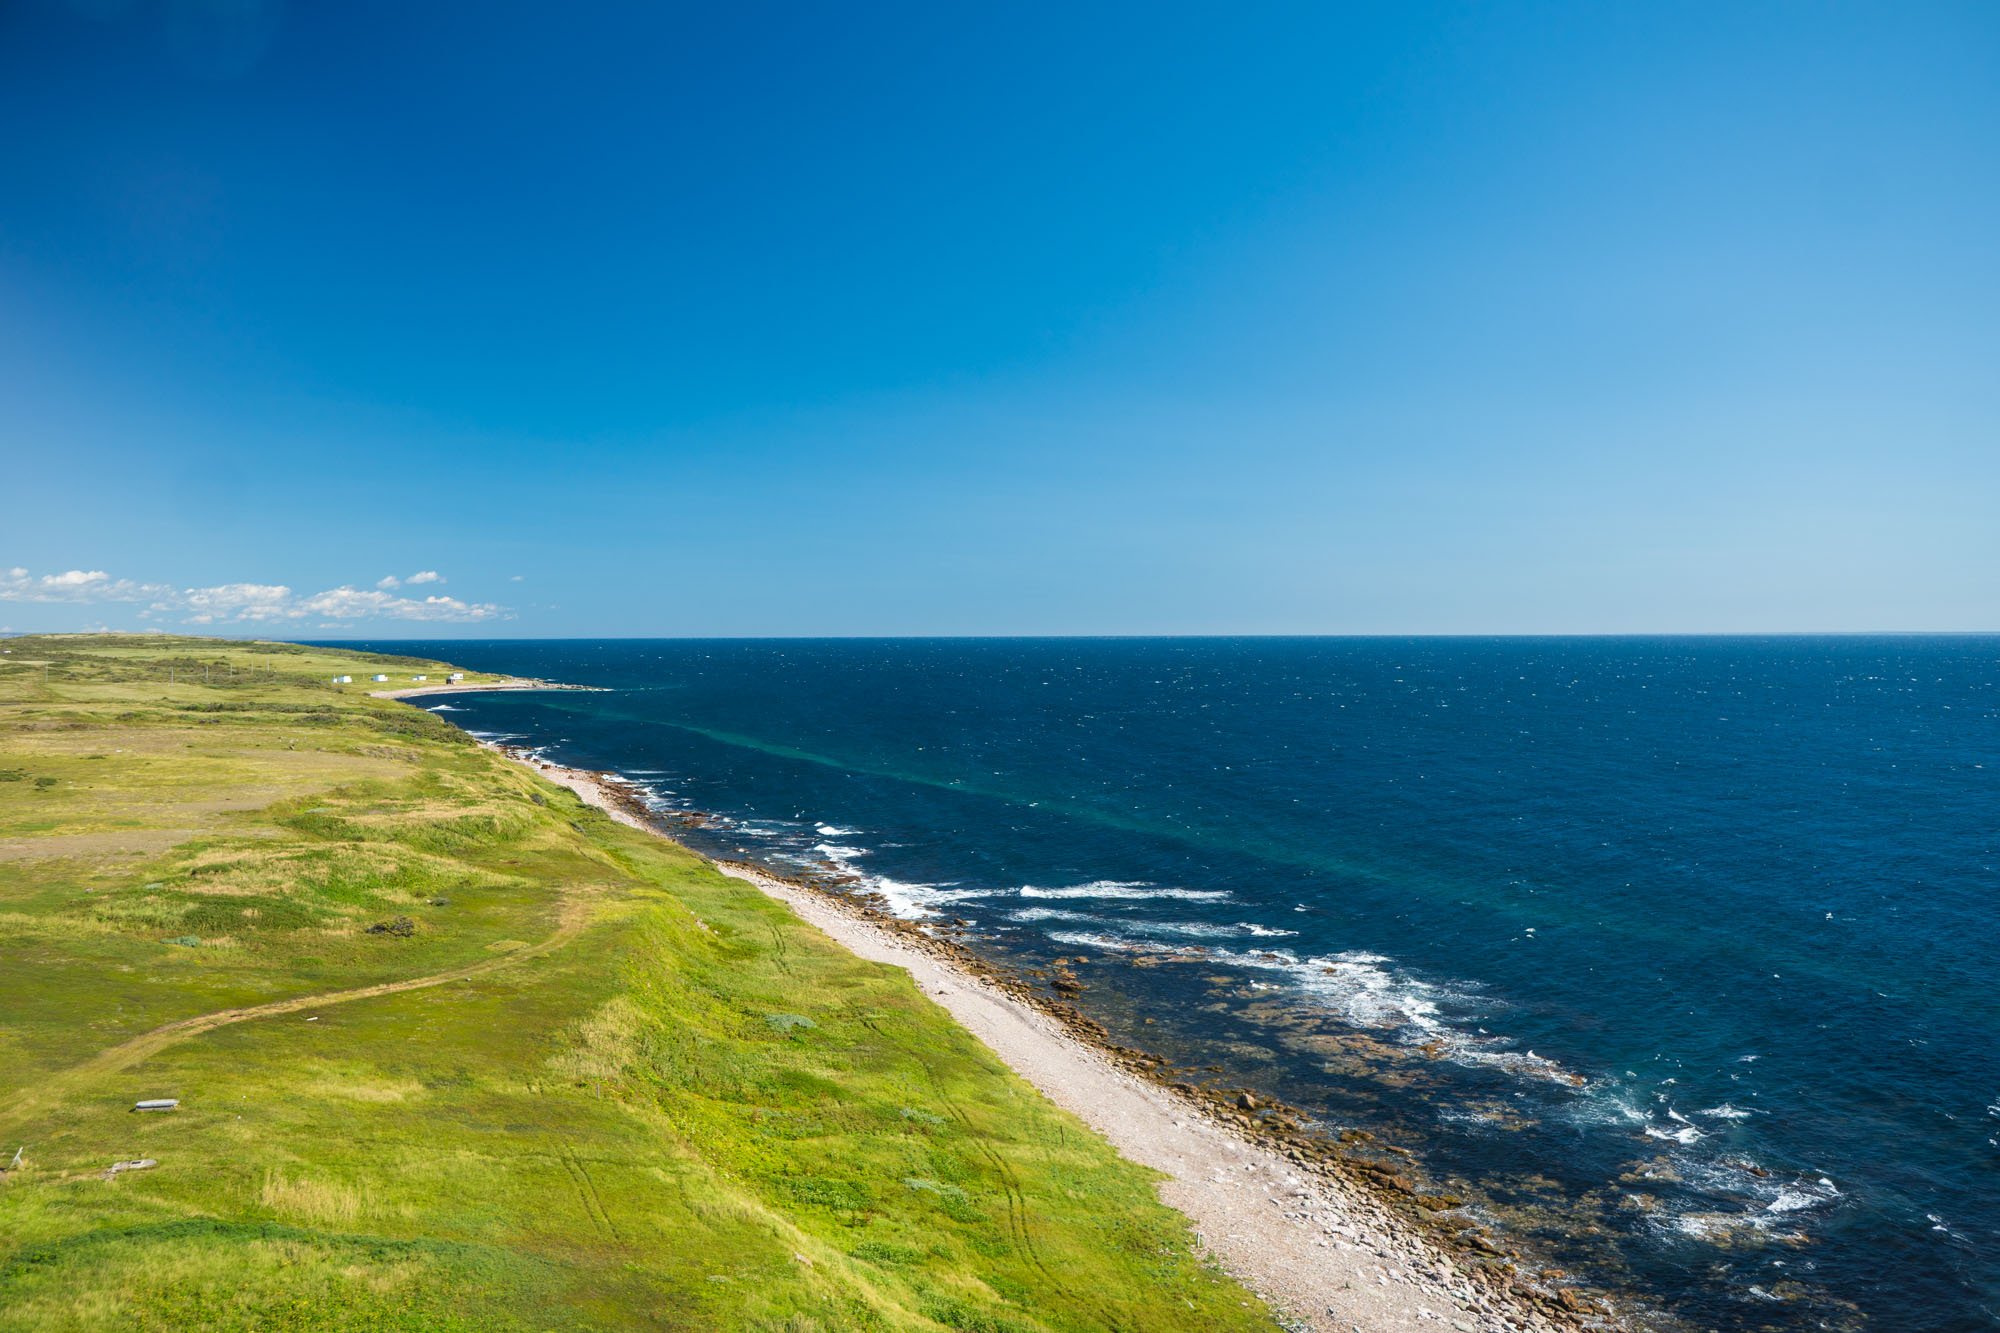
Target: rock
<point x="1575" y="1304"/>
<point x="1245" y="1102"/>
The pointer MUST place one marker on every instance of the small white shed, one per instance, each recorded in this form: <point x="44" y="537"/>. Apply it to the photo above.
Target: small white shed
<point x="343" y="680"/>
<point x="378" y="678"/>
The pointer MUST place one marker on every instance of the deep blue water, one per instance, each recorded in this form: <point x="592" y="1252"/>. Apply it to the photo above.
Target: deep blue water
<point x="1680" y="955"/>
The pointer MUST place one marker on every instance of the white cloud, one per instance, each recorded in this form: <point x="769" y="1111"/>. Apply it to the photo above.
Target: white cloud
<point x="389" y="582"/>
<point x="75" y="585"/>
<point x="240" y="603"/>
<point x="353" y="603"/>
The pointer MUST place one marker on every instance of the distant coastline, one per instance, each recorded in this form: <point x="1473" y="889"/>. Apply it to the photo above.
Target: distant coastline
<point x="476" y="687"/>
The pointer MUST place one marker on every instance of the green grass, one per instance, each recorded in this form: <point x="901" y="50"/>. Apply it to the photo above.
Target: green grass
<point x="628" y="1092"/>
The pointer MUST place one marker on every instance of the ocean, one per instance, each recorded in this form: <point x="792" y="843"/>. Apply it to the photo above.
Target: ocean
<point x="1677" y="958"/>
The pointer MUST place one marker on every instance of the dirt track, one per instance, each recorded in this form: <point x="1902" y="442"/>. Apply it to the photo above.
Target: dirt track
<point x="51" y="1089"/>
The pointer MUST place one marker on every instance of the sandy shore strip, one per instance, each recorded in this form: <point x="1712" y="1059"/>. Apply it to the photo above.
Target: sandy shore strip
<point x="1322" y="1253"/>
<point x="476" y="687"/>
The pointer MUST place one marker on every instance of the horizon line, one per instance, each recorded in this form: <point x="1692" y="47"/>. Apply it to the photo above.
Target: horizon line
<point x="990" y="637"/>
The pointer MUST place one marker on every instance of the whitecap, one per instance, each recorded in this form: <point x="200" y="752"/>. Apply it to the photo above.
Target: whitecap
<point x="1513" y="1062"/>
<point x="1365" y="991"/>
<point x="1792" y="1200"/>
<point x="1086" y="939"/>
<point x="1131" y="890"/>
<point x="1206" y="930"/>
<point x="1355" y="983"/>
<point x="834" y="831"/>
<point x="1196" y="930"/>
<point x="1739" y="1198"/>
<point x="1606" y="1105"/>
<point x="903" y="898"/>
<point x="1686" y="1134"/>
<point x="1939" y="1225"/>
<point x="1032" y="914"/>
<point x="915" y="902"/>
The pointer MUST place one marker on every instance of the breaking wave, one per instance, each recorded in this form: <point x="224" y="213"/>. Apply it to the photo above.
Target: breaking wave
<point x="1125" y="890"/>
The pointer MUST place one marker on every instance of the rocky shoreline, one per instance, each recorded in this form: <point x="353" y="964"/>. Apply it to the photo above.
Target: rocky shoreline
<point x="1359" y="1241"/>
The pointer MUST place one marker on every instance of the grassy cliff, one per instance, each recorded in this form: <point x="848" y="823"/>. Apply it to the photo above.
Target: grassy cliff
<point x="455" y="1051"/>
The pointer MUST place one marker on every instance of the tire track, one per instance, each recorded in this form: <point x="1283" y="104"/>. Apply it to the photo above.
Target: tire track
<point x="781" y="953"/>
<point x="1010" y="1184"/>
<point x="586" y="1189"/>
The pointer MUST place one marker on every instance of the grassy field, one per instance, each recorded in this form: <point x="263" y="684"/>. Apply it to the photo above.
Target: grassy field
<point x="576" y="1079"/>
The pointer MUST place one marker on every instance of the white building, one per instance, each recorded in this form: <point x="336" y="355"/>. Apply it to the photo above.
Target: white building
<point x="378" y="678"/>
<point x="343" y="680"/>
<point x="420" y="679"/>
<point x="455" y="677"/>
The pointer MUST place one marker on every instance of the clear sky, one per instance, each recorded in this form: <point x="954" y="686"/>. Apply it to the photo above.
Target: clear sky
<point x="507" y="319"/>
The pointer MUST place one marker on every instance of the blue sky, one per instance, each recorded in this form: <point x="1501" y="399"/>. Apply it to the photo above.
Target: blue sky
<point x="941" y="319"/>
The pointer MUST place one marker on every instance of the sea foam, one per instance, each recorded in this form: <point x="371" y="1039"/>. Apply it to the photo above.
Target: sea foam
<point x="1128" y="890"/>
<point x="903" y="898"/>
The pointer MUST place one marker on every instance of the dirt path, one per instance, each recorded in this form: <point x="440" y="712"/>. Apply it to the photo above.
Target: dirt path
<point x="53" y="1088"/>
